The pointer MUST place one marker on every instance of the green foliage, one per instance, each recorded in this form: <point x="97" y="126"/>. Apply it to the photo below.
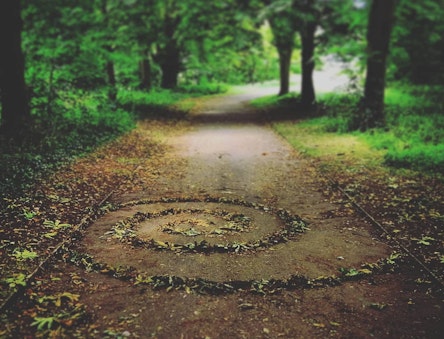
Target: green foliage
<point x="414" y="133"/>
<point x="57" y="225"/>
<point x="276" y="102"/>
<point x="417" y="44"/>
<point x="15" y="281"/>
<point x="154" y="104"/>
<point x="204" y="88"/>
<point x="341" y="111"/>
<point x="425" y="157"/>
<point x="43" y="323"/>
<point x="142" y="99"/>
<point x="71" y="47"/>
<point x="413" y="136"/>
<point x="24" y="254"/>
<point x="162" y="103"/>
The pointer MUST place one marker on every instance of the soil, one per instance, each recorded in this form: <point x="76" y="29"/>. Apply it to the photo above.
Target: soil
<point x="212" y="216"/>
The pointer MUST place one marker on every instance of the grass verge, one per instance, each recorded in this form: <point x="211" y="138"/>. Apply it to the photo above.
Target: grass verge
<point x="413" y="137"/>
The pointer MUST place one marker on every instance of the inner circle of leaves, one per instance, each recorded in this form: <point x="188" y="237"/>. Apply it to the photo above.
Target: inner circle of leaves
<point x="293" y="225"/>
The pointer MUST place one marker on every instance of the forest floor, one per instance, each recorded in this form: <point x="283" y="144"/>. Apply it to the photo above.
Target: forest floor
<point x="215" y="227"/>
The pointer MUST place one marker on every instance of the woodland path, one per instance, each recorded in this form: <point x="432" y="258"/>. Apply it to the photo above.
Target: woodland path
<point x="228" y="178"/>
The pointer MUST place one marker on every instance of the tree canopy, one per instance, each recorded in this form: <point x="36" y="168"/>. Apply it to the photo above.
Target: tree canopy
<point x="147" y="44"/>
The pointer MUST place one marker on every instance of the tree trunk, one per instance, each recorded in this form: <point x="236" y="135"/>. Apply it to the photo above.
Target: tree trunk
<point x="307" y="33"/>
<point x="110" y="71"/>
<point x="109" y="67"/>
<point x="169" y="78"/>
<point x="283" y="34"/>
<point x="284" y="68"/>
<point x="14" y="98"/>
<point x="169" y="56"/>
<point x="145" y="72"/>
<point x="169" y="62"/>
<point x="380" y="24"/>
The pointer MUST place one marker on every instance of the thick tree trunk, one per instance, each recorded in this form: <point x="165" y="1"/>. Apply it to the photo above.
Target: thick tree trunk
<point x="169" y="56"/>
<point x="13" y="91"/>
<point x="284" y="69"/>
<point x="307" y="33"/>
<point x="169" y="62"/>
<point x="380" y="25"/>
<point x="169" y="78"/>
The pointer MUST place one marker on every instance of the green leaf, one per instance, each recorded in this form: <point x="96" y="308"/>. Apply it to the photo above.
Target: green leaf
<point x="55" y="224"/>
<point x="16" y="280"/>
<point x="29" y="214"/>
<point x="50" y="235"/>
<point x="43" y="322"/>
<point x="425" y="241"/>
<point x="24" y="254"/>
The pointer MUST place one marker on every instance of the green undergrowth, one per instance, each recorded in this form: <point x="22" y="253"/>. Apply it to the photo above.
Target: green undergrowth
<point x="69" y="124"/>
<point x="204" y="88"/>
<point x="161" y="103"/>
<point x="276" y="103"/>
<point x="412" y="138"/>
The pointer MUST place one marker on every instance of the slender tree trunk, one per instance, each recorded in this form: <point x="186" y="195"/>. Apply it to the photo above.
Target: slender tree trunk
<point x="283" y="34"/>
<point x="14" y="98"/>
<point x="380" y="25"/>
<point x="109" y="67"/>
<point x="145" y="72"/>
<point x="284" y="68"/>
<point x="111" y="74"/>
<point x="307" y="34"/>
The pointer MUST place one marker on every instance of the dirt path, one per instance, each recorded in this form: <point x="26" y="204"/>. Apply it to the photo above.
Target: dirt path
<point x="243" y="219"/>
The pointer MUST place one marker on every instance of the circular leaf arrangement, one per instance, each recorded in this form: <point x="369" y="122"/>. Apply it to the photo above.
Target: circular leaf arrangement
<point x="233" y="223"/>
<point x="190" y="227"/>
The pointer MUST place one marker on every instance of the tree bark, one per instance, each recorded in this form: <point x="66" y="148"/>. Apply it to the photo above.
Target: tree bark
<point x="111" y="73"/>
<point x="283" y="33"/>
<point x="307" y="33"/>
<point x="13" y="91"/>
<point x="170" y="66"/>
<point x="145" y="72"/>
<point x="169" y="56"/>
<point x="381" y="19"/>
<point x="109" y="67"/>
<point x="284" y="68"/>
